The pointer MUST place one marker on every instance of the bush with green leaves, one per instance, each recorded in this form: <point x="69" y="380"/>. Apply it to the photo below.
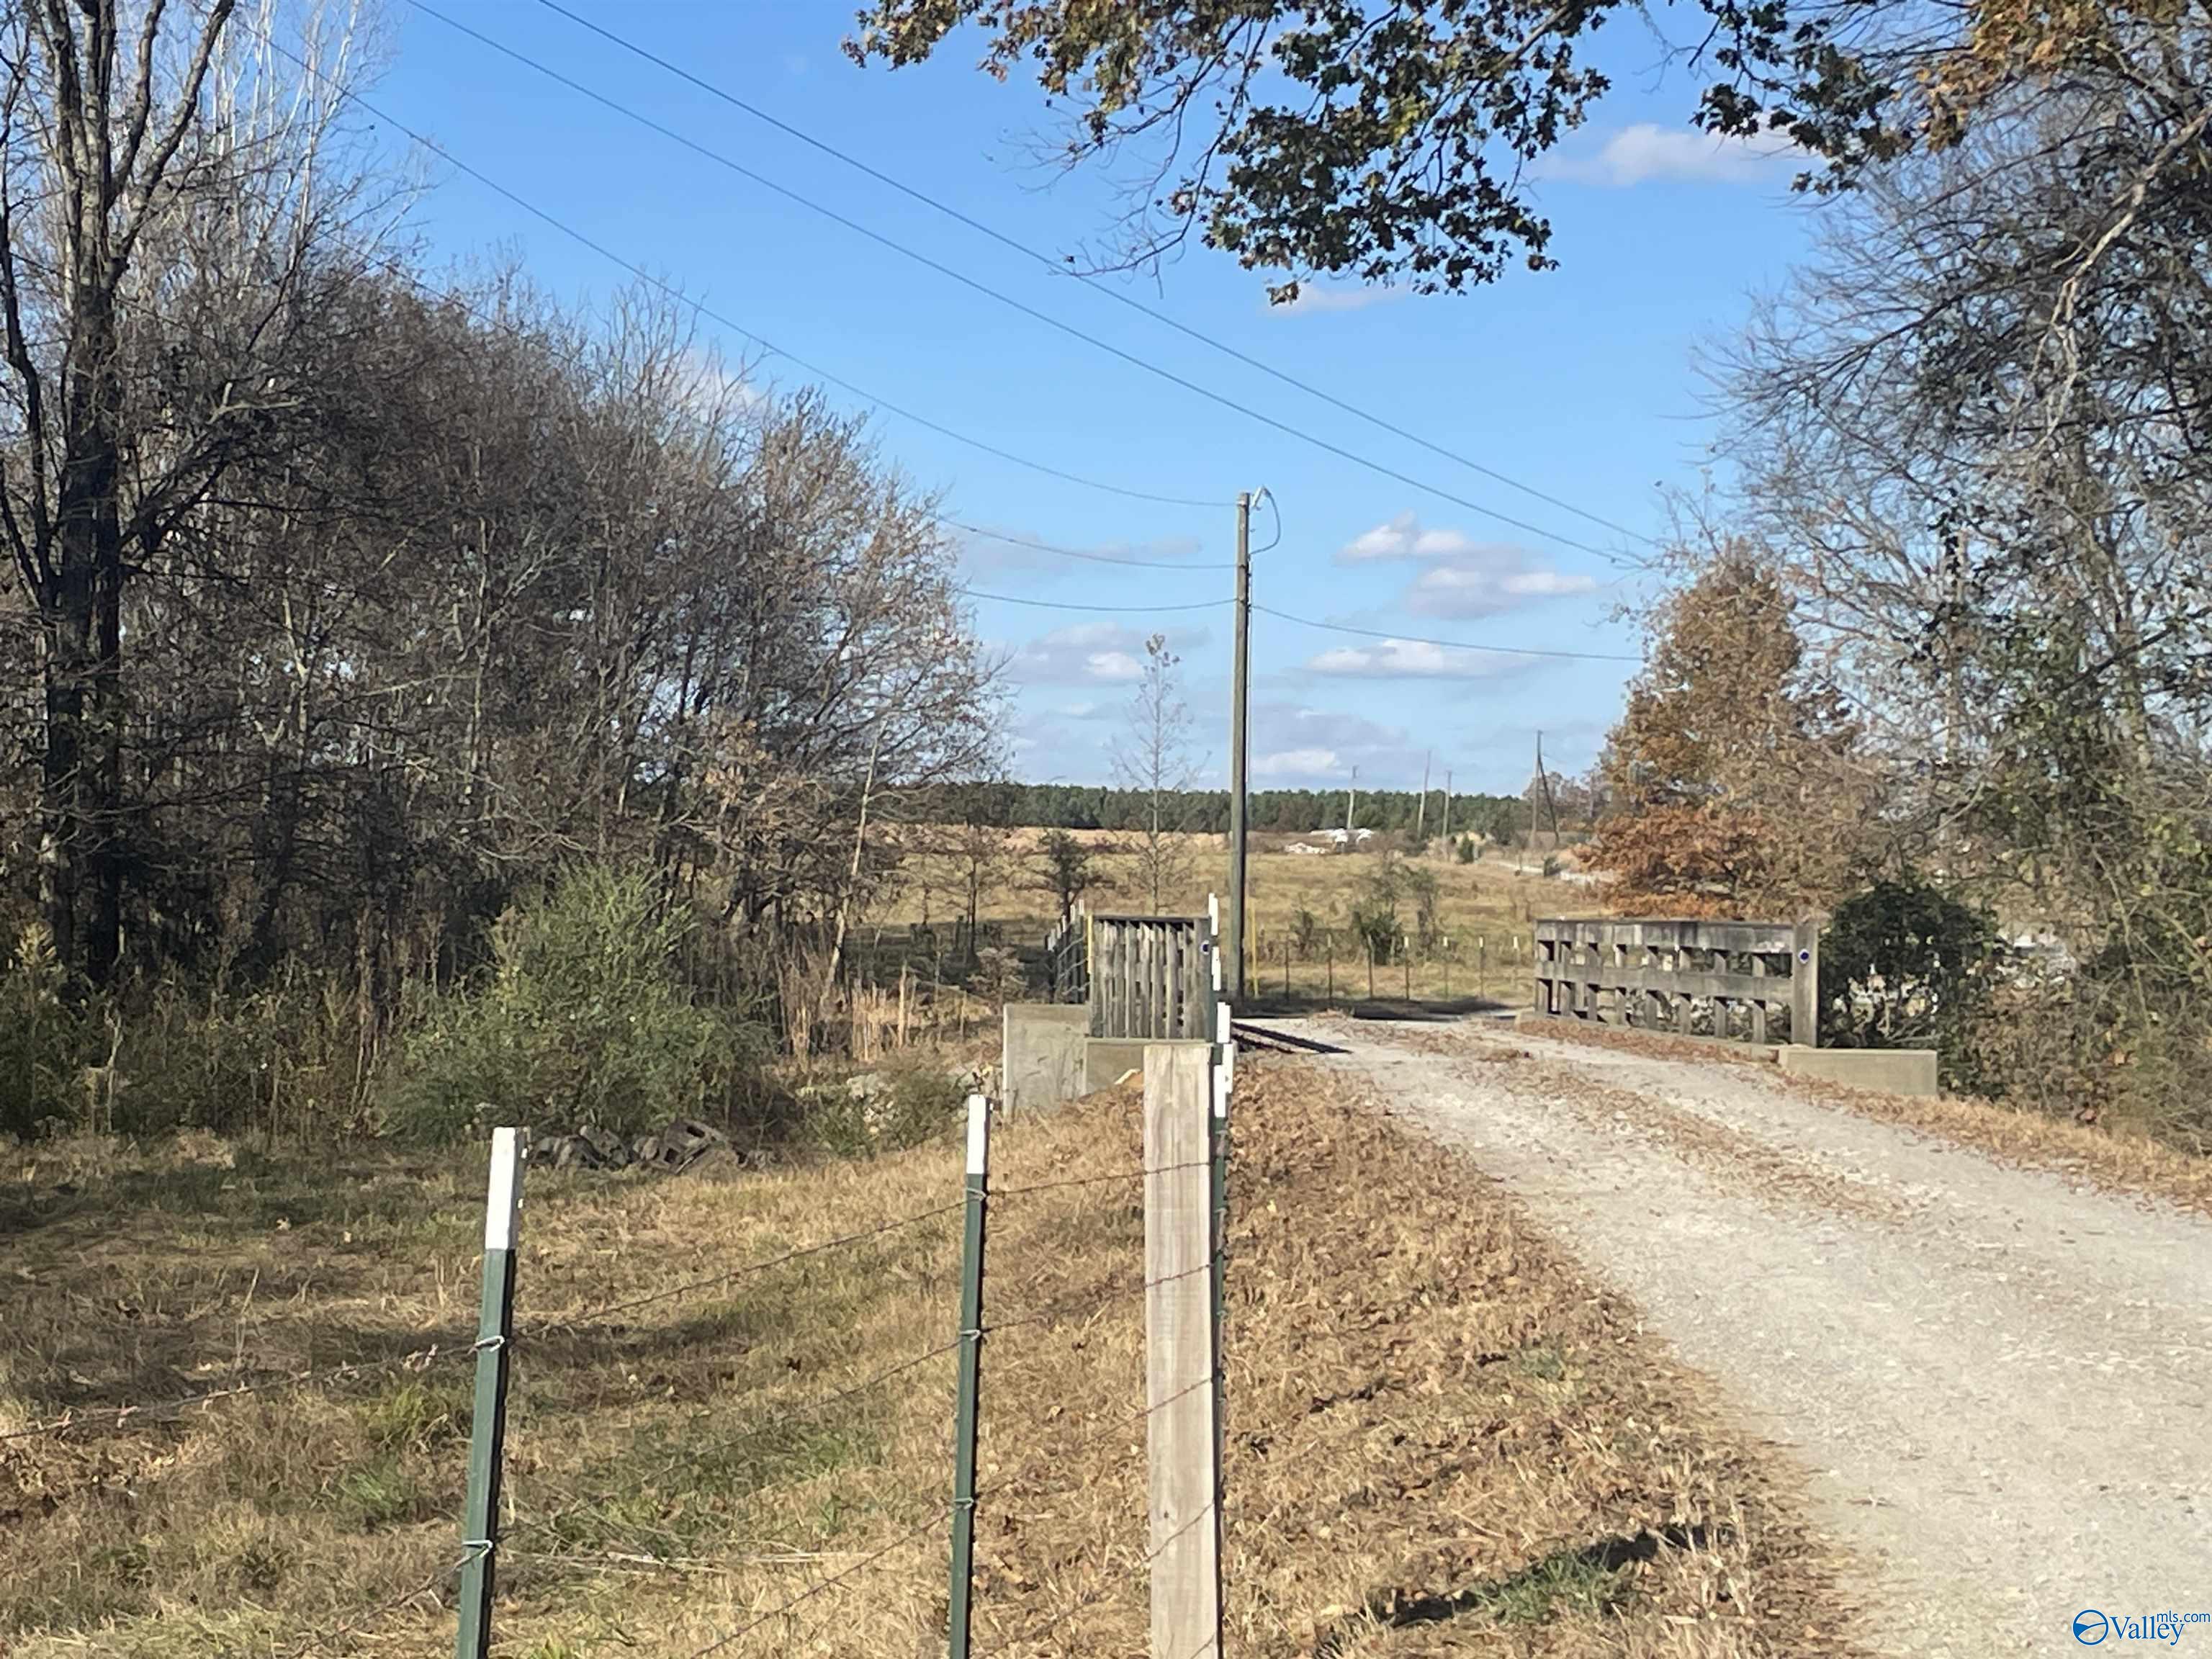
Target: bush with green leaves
<point x="1375" y="913"/>
<point x="583" y="1019"/>
<point x="43" y="1041"/>
<point x="1904" y="964"/>
<point x="907" y="1101"/>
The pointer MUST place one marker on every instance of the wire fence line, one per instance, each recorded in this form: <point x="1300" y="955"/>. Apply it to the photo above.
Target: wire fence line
<point x="1098" y="1593"/>
<point x="599" y="1529"/>
<point x="454" y="1345"/>
<point x="418" y="1359"/>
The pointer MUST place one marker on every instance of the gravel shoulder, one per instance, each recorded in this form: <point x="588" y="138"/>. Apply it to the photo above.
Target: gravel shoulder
<point x="1998" y="1381"/>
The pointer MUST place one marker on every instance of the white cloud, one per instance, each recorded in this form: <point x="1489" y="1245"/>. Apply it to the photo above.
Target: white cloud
<point x="1639" y="153"/>
<point x="1089" y="653"/>
<point x="1299" y="763"/>
<point x="1412" y="659"/>
<point x="1316" y="297"/>
<point x="1405" y="537"/>
<point x="711" y="384"/>
<point x="1473" y="590"/>
<point x="1465" y="577"/>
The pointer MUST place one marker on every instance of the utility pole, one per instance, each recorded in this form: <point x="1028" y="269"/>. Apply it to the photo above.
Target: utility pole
<point x="1351" y="794"/>
<point x="1239" y="749"/>
<point x="1551" y="804"/>
<point x="1421" y="811"/>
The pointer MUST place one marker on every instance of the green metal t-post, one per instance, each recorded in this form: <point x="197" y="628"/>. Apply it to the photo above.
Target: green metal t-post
<point x="971" y="1369"/>
<point x="1224" y="1078"/>
<point x="488" y="1429"/>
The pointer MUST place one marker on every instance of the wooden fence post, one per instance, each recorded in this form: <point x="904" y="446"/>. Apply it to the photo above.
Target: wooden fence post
<point x="488" y="1427"/>
<point x="1179" y="1360"/>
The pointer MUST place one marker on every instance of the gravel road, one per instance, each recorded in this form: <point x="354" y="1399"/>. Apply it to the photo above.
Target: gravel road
<point x="1998" y="1383"/>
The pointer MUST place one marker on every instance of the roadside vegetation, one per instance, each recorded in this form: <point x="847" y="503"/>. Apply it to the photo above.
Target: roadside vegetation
<point x="1439" y="1437"/>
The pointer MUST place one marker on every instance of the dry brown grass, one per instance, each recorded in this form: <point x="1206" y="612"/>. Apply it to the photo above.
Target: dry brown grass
<point x="1441" y="1439"/>
<point x="1491" y="900"/>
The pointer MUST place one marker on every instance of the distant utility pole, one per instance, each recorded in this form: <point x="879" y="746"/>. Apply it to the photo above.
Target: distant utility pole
<point x="1239" y="749"/>
<point x="1421" y="812"/>
<point x="1351" y="794"/>
<point x="1550" y="805"/>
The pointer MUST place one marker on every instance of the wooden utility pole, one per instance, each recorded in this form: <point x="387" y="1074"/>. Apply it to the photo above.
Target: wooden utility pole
<point x="1351" y="794"/>
<point x="1239" y="745"/>
<point x="1421" y="811"/>
<point x="1550" y="805"/>
<point x="1178" y="1359"/>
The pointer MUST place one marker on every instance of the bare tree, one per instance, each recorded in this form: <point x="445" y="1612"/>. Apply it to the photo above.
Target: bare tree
<point x="153" y="276"/>
<point x="1153" y="759"/>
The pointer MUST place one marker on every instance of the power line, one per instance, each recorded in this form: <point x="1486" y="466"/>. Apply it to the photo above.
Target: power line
<point x="1448" y="645"/>
<point x="952" y="274"/>
<point x="699" y="307"/>
<point x="1081" y="553"/>
<point x="1059" y="269"/>
<point x="1115" y="610"/>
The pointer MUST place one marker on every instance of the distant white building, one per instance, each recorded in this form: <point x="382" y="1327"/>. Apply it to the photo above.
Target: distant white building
<point x="1341" y="837"/>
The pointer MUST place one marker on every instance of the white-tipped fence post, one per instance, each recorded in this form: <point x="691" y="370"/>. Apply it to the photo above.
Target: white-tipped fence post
<point x="971" y="1371"/>
<point x="488" y="1428"/>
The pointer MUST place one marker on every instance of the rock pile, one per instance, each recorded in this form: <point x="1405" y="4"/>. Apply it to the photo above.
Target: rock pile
<point x="682" y="1143"/>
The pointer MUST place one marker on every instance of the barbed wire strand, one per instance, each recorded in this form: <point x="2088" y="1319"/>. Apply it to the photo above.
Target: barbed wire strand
<point x="1049" y="1315"/>
<point x="1093" y="1598"/>
<point x="424" y="1357"/>
<point x="806" y="1411"/>
<point x="1096" y="1180"/>
<point x="1104" y="1432"/>
<point x="690" y="1287"/>
<point x="415" y="1359"/>
<point x="320" y="1639"/>
<point x="943" y="1513"/>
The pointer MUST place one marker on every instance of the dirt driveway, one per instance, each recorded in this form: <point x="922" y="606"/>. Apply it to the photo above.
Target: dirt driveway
<point x="1999" y="1384"/>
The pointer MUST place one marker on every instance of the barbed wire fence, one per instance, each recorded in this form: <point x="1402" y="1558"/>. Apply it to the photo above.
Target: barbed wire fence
<point x="489" y="1538"/>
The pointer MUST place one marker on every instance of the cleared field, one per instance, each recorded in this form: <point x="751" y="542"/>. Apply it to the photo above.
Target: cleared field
<point x="1440" y="1439"/>
<point x="1299" y="910"/>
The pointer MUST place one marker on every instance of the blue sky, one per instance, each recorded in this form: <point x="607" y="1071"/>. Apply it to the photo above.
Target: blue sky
<point x="1579" y="382"/>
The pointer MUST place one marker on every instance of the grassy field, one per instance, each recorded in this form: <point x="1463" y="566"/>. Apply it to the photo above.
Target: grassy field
<point x="1484" y="912"/>
<point x="1441" y="1440"/>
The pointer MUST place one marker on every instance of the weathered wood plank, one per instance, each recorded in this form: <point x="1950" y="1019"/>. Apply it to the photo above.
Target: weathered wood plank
<point x="1179" y="1350"/>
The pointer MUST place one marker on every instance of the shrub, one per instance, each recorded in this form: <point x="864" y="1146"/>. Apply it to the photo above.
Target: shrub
<point x="42" y="1040"/>
<point x="906" y="1103"/>
<point x="1466" y="849"/>
<point x="1903" y="963"/>
<point x="1421" y="887"/>
<point x="1306" y="933"/>
<point x="583" y="1021"/>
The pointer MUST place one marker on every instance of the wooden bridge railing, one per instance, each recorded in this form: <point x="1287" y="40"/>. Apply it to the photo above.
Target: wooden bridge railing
<point x="1150" y="977"/>
<point x="1747" y="980"/>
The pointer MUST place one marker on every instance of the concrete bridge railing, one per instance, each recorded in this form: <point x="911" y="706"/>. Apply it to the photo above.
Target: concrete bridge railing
<point x="1756" y="981"/>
